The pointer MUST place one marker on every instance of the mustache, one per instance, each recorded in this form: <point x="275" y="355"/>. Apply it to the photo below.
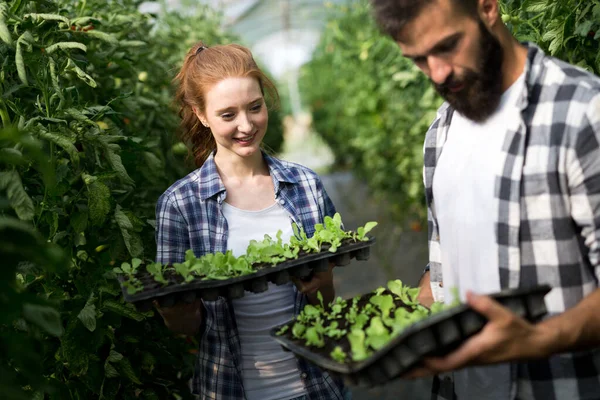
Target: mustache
<point x="452" y="81"/>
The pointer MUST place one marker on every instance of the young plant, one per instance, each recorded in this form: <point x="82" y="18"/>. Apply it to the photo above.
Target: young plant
<point x="157" y="271"/>
<point x="338" y="354"/>
<point x="132" y="284"/>
<point x="361" y="232"/>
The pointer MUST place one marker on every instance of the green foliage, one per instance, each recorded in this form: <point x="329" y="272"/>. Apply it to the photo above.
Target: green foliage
<point x="269" y="252"/>
<point x="567" y="29"/>
<point x="365" y="328"/>
<point x="85" y="103"/>
<point x="373" y="107"/>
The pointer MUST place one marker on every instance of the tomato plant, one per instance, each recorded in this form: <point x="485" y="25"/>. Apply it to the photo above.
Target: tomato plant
<point x="85" y="150"/>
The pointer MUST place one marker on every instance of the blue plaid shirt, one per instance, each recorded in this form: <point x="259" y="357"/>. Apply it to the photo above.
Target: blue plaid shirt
<point x="189" y="216"/>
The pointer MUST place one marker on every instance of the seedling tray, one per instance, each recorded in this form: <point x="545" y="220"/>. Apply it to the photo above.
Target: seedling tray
<point x="436" y="335"/>
<point x="302" y="267"/>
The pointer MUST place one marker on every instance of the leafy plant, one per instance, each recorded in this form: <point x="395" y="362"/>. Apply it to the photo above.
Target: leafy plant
<point x="268" y="252"/>
<point x="369" y="324"/>
<point x="85" y="92"/>
<point x="568" y="29"/>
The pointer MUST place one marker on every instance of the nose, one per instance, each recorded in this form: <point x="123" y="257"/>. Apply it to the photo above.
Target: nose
<point x="439" y="69"/>
<point x="245" y="124"/>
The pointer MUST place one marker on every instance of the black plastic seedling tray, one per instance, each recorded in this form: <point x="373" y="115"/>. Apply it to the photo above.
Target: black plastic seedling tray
<point x="234" y="288"/>
<point x="433" y="336"/>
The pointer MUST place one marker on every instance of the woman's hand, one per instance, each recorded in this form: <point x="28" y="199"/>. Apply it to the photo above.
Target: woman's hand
<point x="319" y="282"/>
<point x="183" y="318"/>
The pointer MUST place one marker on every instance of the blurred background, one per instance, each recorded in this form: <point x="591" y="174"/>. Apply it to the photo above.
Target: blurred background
<point x="87" y="144"/>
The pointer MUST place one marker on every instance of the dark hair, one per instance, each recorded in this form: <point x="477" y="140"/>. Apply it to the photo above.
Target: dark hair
<point x="393" y="15"/>
<point x="202" y="68"/>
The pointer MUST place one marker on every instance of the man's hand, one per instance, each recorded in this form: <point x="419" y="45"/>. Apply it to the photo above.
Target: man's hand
<point x="505" y="337"/>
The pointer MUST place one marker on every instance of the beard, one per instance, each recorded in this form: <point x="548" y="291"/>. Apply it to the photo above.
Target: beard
<point x="482" y="89"/>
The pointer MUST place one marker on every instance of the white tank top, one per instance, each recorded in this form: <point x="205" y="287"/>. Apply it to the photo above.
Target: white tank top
<point x="268" y="373"/>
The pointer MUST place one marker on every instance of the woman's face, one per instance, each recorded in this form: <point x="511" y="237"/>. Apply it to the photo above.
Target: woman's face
<point x="237" y="115"/>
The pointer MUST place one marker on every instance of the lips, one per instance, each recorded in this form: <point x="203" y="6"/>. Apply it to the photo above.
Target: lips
<point x="245" y="140"/>
<point x="456" y="88"/>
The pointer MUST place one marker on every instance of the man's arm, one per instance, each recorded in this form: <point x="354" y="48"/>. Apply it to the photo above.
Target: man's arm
<point x="425" y="293"/>
<point x="507" y="337"/>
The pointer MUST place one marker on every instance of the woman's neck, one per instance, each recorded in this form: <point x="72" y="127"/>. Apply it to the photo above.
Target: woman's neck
<point x="233" y="166"/>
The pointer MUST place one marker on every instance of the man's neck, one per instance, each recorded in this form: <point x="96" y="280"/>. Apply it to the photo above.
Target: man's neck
<point x="515" y="57"/>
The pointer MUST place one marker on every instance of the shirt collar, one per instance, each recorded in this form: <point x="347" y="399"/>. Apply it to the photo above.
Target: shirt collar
<point x="212" y="185"/>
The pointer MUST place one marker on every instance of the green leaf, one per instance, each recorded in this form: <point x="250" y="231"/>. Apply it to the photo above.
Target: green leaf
<point x="88" y="314"/>
<point x="106" y="37"/>
<point x="39" y="17"/>
<point x="66" y="46"/>
<point x="18" y="198"/>
<point x="81" y="74"/>
<point x="110" y="371"/>
<point x="24" y="40"/>
<point x="537" y="6"/>
<point x="124" y="366"/>
<point x="62" y="141"/>
<point x="5" y="35"/>
<point x="98" y="201"/>
<point x="126" y="310"/>
<point x="132" y="240"/>
<point x="45" y="317"/>
<point x="114" y="356"/>
<point x="115" y="161"/>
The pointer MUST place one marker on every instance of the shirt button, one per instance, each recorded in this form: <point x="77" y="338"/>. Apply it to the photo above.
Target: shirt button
<point x="281" y="201"/>
<point x="303" y="375"/>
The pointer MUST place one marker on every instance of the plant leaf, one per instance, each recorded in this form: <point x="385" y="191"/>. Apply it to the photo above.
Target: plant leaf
<point x="98" y="202"/>
<point x="126" y="310"/>
<point x="18" y="198"/>
<point x="88" y="314"/>
<point x="66" y="46"/>
<point x="132" y="240"/>
<point x="46" y="317"/>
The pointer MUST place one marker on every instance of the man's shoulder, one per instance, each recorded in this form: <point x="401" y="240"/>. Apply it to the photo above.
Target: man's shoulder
<point x="561" y="81"/>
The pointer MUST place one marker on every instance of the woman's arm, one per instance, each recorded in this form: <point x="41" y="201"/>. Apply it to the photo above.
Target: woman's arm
<point x="172" y="241"/>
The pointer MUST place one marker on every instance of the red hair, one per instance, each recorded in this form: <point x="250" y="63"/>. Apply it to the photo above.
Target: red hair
<point x="202" y="68"/>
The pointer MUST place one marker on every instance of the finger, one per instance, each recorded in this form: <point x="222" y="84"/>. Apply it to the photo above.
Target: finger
<point x="487" y="307"/>
<point x="312" y="286"/>
<point x="299" y="284"/>
<point x="462" y="357"/>
<point x="418" y="372"/>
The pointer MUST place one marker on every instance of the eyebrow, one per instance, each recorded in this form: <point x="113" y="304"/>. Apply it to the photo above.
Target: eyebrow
<point x="438" y="46"/>
<point x="231" y="108"/>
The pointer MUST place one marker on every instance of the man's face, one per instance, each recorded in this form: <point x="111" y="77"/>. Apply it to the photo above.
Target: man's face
<point x="459" y="55"/>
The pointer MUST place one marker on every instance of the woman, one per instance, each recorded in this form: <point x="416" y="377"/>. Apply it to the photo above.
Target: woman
<point x="239" y="193"/>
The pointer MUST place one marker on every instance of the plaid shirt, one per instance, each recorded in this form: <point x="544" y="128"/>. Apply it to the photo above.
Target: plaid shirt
<point x="189" y="216"/>
<point x="548" y="201"/>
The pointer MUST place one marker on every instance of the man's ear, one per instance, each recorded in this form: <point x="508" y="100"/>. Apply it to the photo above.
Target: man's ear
<point x="200" y="117"/>
<point x="489" y="12"/>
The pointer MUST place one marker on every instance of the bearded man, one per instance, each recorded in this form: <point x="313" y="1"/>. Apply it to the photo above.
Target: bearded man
<point x="512" y="179"/>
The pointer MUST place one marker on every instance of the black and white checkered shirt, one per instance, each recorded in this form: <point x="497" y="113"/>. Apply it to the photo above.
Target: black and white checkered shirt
<point x="548" y="197"/>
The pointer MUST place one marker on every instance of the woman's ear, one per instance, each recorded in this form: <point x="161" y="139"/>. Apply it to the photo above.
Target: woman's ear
<point x="200" y="117"/>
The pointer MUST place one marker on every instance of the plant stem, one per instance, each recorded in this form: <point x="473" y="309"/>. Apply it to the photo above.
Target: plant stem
<point x="4" y="115"/>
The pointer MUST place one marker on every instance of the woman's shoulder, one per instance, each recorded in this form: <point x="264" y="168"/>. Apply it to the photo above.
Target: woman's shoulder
<point x="188" y="185"/>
